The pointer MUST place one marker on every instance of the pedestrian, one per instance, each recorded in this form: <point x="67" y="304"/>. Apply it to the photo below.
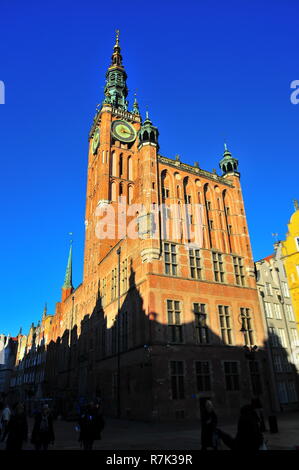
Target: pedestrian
<point x="43" y="432"/>
<point x="249" y="435"/>
<point x="17" y="428"/>
<point x="91" y="424"/>
<point x="5" y="418"/>
<point x="209" y="435"/>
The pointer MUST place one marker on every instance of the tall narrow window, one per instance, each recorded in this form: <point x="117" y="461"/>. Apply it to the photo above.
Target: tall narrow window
<point x="175" y="328"/>
<point x="114" y="284"/>
<point x="113" y="164"/>
<point x="170" y="259"/>
<point x="104" y="292"/>
<point x="195" y="265"/>
<point x="130" y="194"/>
<point x="124" y="276"/>
<point x="231" y="376"/>
<point x="165" y="193"/>
<point x="121" y="165"/>
<point x="218" y="267"/>
<point x="282" y="337"/>
<point x="290" y="313"/>
<point x="268" y="308"/>
<point x="202" y="332"/>
<point x="113" y="192"/>
<point x="239" y="270"/>
<point x="247" y="326"/>
<point x="277" y="310"/>
<point x="130" y="168"/>
<point x="225" y="324"/>
<point x="285" y="289"/>
<point x="177" y="380"/>
<point x="203" y="376"/>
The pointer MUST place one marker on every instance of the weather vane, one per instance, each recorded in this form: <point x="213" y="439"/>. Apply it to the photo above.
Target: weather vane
<point x="117" y="35"/>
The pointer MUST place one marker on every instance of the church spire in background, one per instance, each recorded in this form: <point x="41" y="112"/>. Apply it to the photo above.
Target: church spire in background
<point x="68" y="273"/>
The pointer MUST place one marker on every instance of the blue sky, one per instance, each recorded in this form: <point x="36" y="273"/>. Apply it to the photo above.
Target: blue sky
<point x="208" y="71"/>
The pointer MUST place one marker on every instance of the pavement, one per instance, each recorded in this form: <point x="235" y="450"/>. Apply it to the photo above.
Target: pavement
<point x="135" y="435"/>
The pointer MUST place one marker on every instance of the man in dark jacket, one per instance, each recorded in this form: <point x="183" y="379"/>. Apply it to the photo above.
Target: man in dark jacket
<point x="43" y="432"/>
<point x="91" y="424"/>
<point x="17" y="429"/>
<point x="249" y="435"/>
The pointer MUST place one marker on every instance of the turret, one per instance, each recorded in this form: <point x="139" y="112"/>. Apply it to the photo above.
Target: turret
<point x="228" y="164"/>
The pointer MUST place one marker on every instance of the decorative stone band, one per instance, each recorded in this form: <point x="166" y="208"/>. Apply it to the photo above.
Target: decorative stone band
<point x="194" y="170"/>
<point x="125" y="114"/>
<point x="150" y="254"/>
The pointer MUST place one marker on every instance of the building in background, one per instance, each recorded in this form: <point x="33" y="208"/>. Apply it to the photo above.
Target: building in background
<point x="8" y="350"/>
<point x="27" y="382"/>
<point x="290" y="252"/>
<point x="280" y="323"/>
<point x="168" y="313"/>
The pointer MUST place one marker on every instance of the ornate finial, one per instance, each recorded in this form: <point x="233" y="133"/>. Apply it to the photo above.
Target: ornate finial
<point x="117" y="37"/>
<point x="296" y="204"/>
<point x="225" y="146"/>
<point x="177" y="157"/>
<point x="135" y="105"/>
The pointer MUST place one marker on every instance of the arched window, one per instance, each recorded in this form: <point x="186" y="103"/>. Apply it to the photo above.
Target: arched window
<point x="113" y="191"/>
<point x="130" y="194"/>
<point x="121" y="165"/>
<point x="130" y="168"/>
<point x="120" y="189"/>
<point x="145" y="136"/>
<point x="113" y="164"/>
<point x="229" y="167"/>
<point x="152" y="137"/>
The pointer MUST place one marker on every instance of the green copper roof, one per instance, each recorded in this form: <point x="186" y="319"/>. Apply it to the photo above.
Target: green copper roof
<point x="228" y="163"/>
<point x="68" y="274"/>
<point x="116" y="90"/>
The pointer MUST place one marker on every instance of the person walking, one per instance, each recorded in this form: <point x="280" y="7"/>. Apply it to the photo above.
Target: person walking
<point x="17" y="428"/>
<point x="43" y="431"/>
<point x="209" y="436"/>
<point x="91" y="424"/>
<point x="5" y="417"/>
<point x="249" y="435"/>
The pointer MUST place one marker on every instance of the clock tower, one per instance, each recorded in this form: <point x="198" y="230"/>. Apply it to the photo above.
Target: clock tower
<point x="112" y="165"/>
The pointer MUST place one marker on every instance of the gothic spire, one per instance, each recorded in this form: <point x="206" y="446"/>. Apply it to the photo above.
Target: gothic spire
<point x="45" y="311"/>
<point x="116" y="90"/>
<point x="68" y="273"/>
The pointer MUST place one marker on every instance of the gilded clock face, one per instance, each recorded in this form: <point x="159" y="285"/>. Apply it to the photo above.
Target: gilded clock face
<point x="96" y="140"/>
<point x="123" y="131"/>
